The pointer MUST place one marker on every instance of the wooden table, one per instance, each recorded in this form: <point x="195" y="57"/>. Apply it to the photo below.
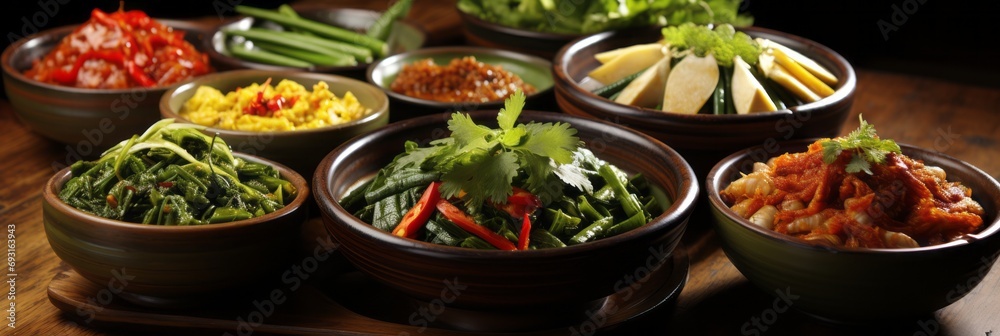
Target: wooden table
<point x="953" y="118"/>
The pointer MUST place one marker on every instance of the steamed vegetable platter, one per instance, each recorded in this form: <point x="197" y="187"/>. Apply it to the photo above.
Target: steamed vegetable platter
<point x="173" y="174"/>
<point x="697" y="69"/>
<point x="306" y="43"/>
<point x="518" y="187"/>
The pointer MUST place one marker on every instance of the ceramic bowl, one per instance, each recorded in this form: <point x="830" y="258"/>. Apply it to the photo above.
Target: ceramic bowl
<point x="404" y="37"/>
<point x="161" y="265"/>
<point x="483" y="33"/>
<point x="704" y="139"/>
<point x="856" y="285"/>
<point x="506" y="280"/>
<point x="87" y="120"/>
<point x="300" y="149"/>
<point x="532" y="70"/>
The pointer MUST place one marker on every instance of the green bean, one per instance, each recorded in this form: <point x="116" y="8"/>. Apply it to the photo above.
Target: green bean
<point x="719" y="95"/>
<point x="358" y="53"/>
<point x="476" y="243"/>
<point x="266" y="57"/>
<point x="288" y="11"/>
<point x="592" y="232"/>
<point x="271" y="37"/>
<point x="540" y="238"/>
<point x="588" y="210"/>
<point x="379" y="48"/>
<point x="356" y="195"/>
<point x="610" y="91"/>
<point x="627" y="225"/>
<point x="383" y="25"/>
<point x="730" y="105"/>
<point x="560" y="221"/>
<point x="628" y="201"/>
<point x="400" y="181"/>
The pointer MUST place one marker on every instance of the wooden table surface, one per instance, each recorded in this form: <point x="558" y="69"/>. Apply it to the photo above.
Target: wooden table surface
<point x="959" y="120"/>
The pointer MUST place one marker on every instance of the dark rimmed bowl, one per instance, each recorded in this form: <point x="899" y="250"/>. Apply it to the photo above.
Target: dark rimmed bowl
<point x="301" y="150"/>
<point x="404" y="37"/>
<point x="532" y="70"/>
<point x="506" y="280"/>
<point x="88" y="120"/>
<point x="858" y="285"/>
<point x="704" y="139"/>
<point x="483" y="33"/>
<point x="160" y="265"/>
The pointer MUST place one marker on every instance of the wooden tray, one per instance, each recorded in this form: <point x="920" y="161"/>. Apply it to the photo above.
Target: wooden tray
<point x="350" y="303"/>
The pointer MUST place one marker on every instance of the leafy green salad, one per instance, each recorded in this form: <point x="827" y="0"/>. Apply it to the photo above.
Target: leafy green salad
<point x="591" y="16"/>
<point x="520" y="186"/>
<point x="173" y="174"/>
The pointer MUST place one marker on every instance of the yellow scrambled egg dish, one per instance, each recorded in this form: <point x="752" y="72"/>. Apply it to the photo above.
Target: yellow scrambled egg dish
<point x="302" y="109"/>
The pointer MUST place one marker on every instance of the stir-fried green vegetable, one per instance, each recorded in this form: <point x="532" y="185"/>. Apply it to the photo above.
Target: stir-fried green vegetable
<point x="173" y="174"/>
<point x="523" y="186"/>
<point x="590" y="16"/>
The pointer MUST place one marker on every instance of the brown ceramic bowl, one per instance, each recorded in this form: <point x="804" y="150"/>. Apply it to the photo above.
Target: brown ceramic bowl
<point x="175" y="265"/>
<point x="857" y="285"/>
<point x="506" y="280"/>
<point x="299" y="149"/>
<point x="404" y="37"/>
<point x="483" y="33"/>
<point x="703" y="139"/>
<point x="88" y="120"/>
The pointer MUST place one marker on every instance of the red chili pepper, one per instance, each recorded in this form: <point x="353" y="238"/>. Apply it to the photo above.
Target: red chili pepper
<point x="519" y="203"/>
<point x="166" y="184"/>
<point x="465" y="222"/>
<point x="136" y="73"/>
<point x="415" y="219"/>
<point x="103" y="18"/>
<point x="522" y="239"/>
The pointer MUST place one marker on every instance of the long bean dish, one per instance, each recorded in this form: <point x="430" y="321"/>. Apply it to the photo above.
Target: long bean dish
<point x="518" y="187"/>
<point x="173" y="174"/>
<point x="855" y="191"/>
<point x="123" y="49"/>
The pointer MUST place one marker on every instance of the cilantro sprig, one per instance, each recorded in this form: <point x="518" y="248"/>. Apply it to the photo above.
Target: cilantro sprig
<point x="480" y="163"/>
<point x="865" y="146"/>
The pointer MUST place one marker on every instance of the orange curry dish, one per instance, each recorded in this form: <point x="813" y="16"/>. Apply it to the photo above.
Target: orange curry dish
<point x="902" y="203"/>
<point x="463" y="80"/>
<point x="124" y="49"/>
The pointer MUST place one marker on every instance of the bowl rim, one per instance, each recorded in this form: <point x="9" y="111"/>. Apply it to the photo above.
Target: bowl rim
<point x="215" y="55"/>
<point x="50" y="195"/>
<point x="565" y="82"/>
<point x="715" y="179"/>
<point x="521" y="32"/>
<point x="468" y="51"/>
<point x="676" y="215"/>
<point x="188" y="27"/>
<point x="193" y="84"/>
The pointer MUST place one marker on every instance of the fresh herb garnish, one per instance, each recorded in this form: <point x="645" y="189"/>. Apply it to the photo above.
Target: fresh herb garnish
<point x="723" y="42"/>
<point x="480" y="163"/>
<point x="865" y="146"/>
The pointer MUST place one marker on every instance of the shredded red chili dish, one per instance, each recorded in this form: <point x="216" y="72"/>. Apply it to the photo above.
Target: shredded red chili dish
<point x="118" y="50"/>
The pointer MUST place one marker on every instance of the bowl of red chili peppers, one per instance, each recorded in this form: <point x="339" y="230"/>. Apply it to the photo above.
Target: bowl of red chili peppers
<point x="89" y="84"/>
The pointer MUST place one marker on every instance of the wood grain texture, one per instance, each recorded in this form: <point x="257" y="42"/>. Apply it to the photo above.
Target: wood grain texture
<point x="717" y="299"/>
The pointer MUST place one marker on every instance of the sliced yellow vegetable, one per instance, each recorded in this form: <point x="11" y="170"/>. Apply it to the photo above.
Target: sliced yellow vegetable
<point x="691" y="82"/>
<point x="647" y="89"/>
<point x="749" y="95"/>
<point x="609" y="55"/>
<point x="814" y="84"/>
<point x="779" y="75"/>
<point x="808" y="63"/>
<point x="627" y="63"/>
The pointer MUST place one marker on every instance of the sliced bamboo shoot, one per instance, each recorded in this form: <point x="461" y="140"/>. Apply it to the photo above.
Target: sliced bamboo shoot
<point x="808" y="63"/>
<point x="609" y="55"/>
<point x="628" y="63"/>
<point x="647" y="89"/>
<point x="779" y="75"/>
<point x="814" y="84"/>
<point x="748" y="94"/>
<point x="690" y="83"/>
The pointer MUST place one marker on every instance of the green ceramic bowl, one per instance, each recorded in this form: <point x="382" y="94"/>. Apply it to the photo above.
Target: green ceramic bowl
<point x="533" y="70"/>
<point x="171" y="266"/>
<point x="301" y="150"/>
<point x="857" y="285"/>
